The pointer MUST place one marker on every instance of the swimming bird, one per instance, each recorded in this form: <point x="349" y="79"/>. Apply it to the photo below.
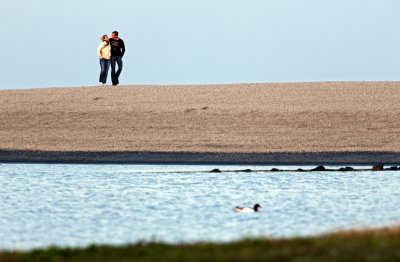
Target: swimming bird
<point x="247" y="209"/>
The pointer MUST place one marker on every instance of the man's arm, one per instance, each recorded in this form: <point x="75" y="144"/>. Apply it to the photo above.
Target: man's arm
<point x="122" y="48"/>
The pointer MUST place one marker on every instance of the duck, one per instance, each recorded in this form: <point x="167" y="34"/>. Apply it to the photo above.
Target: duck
<point x="239" y="209"/>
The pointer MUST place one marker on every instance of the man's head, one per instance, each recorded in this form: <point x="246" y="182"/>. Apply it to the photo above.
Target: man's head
<point x="115" y="35"/>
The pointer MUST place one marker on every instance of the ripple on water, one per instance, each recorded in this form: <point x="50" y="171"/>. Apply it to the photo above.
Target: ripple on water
<point x="76" y="205"/>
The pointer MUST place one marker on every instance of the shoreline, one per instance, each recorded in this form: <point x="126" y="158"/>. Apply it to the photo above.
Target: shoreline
<point x="358" y="245"/>
<point x="320" y="122"/>
<point x="200" y="158"/>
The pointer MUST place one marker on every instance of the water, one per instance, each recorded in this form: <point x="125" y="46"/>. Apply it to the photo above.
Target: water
<point x="77" y="205"/>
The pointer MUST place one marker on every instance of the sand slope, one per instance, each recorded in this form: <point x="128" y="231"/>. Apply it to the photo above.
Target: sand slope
<point x="296" y="117"/>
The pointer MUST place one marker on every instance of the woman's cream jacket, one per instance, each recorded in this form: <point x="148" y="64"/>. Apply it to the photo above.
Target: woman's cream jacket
<point x="104" y="50"/>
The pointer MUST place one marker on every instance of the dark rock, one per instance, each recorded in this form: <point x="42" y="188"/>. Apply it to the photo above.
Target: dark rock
<point x="347" y="168"/>
<point x="319" y="168"/>
<point x="247" y="171"/>
<point x="394" y="168"/>
<point x="300" y="170"/>
<point x="377" y="167"/>
<point x="275" y="170"/>
<point x="216" y="170"/>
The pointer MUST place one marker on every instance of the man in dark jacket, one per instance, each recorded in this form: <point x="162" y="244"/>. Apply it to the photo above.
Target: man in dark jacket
<point x="117" y="52"/>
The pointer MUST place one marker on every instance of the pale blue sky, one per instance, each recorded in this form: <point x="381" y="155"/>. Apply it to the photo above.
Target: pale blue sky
<point x="53" y="43"/>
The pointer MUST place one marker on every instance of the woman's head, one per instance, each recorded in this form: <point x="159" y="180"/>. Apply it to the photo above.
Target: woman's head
<point x="104" y="38"/>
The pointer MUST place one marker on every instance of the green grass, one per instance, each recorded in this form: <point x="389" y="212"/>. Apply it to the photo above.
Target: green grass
<point x="369" y="245"/>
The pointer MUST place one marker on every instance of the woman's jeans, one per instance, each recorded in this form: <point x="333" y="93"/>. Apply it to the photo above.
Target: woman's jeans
<point x="104" y="67"/>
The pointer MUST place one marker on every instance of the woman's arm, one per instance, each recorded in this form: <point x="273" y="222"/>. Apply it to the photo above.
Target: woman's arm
<point x="100" y="50"/>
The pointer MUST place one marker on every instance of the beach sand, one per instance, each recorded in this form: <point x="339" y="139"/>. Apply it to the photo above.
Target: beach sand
<point x="299" y="118"/>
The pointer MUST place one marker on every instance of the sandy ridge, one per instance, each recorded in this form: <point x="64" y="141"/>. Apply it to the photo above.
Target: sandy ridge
<point x="238" y="118"/>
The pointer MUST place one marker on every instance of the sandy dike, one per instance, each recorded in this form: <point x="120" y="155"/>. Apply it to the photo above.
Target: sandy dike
<point x="341" y="122"/>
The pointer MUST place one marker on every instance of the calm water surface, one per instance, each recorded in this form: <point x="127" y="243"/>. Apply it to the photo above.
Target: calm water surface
<point x="77" y="205"/>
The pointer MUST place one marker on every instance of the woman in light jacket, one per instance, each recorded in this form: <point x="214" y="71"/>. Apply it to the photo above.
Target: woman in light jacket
<point x="104" y="53"/>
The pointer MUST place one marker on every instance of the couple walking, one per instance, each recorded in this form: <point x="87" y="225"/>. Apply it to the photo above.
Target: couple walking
<point x="110" y="51"/>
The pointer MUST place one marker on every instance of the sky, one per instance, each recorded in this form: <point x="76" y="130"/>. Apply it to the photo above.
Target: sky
<point x="49" y="43"/>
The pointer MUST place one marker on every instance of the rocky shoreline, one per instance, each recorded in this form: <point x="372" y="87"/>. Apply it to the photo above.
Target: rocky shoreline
<point x="378" y="167"/>
<point x="200" y="158"/>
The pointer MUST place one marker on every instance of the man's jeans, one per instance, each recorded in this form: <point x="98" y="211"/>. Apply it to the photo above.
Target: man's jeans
<point x="104" y="67"/>
<point x="115" y="75"/>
